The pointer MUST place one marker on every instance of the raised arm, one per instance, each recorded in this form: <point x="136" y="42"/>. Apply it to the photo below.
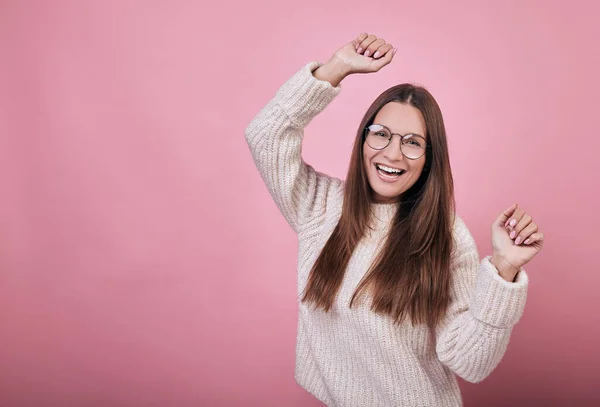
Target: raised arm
<point x="275" y="134"/>
<point x="275" y="140"/>
<point x="485" y="307"/>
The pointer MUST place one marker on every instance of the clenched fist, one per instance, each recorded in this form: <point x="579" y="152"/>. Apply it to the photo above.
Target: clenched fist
<point x="516" y="239"/>
<point x="365" y="54"/>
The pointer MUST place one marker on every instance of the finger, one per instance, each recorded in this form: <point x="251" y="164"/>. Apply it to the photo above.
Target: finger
<point x="522" y="223"/>
<point x="536" y="237"/>
<point x="361" y="37"/>
<point x="515" y="218"/>
<point x="377" y="64"/>
<point x="365" y="43"/>
<point x="503" y="218"/>
<point x="382" y="50"/>
<point x="373" y="47"/>
<point x="526" y="232"/>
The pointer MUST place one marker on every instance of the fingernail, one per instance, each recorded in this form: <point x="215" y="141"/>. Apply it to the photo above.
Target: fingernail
<point x="367" y="53"/>
<point x="376" y="54"/>
<point x="513" y="234"/>
<point x="513" y="222"/>
<point x="359" y="50"/>
<point x="527" y="241"/>
<point x="518" y="240"/>
<point x="394" y="51"/>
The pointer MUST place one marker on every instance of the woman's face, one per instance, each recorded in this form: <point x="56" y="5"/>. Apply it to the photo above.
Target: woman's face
<point x="399" y="118"/>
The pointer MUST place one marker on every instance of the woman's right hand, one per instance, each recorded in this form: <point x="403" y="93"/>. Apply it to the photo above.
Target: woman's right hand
<point x="365" y="54"/>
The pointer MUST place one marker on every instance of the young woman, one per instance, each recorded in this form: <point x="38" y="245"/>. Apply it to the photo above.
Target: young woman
<point x="394" y="299"/>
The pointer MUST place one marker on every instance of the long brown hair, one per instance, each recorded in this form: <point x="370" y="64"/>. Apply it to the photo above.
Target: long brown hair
<point x="410" y="278"/>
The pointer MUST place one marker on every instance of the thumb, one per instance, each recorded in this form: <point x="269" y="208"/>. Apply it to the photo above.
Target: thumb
<point x="507" y="213"/>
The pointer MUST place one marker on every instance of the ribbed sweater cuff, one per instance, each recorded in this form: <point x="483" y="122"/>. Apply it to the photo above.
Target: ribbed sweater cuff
<point x="496" y="301"/>
<point x="303" y="96"/>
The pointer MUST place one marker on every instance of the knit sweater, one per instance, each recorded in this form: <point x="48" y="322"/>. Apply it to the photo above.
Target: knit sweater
<point x="353" y="356"/>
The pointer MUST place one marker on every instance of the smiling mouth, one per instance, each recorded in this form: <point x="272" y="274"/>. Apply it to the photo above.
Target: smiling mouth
<point x="389" y="172"/>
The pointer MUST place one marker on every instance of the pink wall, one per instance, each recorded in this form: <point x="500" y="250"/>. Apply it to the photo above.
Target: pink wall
<point x="136" y="270"/>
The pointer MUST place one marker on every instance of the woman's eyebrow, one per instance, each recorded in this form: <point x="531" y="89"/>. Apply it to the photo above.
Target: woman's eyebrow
<point x="395" y="132"/>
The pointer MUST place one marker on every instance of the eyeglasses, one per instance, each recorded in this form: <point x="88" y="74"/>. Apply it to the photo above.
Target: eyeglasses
<point x="412" y="146"/>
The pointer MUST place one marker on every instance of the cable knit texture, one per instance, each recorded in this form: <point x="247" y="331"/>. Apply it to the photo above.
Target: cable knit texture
<point x="354" y="357"/>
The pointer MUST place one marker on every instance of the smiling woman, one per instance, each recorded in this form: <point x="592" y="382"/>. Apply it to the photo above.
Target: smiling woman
<point x="394" y="300"/>
<point x="413" y="184"/>
<point x="393" y="168"/>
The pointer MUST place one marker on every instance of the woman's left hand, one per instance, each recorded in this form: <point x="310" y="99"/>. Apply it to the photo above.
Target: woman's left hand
<point x="516" y="239"/>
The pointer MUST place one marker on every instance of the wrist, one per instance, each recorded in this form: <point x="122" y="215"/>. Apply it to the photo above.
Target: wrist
<point x="506" y="270"/>
<point x="333" y="71"/>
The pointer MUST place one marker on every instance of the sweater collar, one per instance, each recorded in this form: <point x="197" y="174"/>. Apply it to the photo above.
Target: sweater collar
<point x="383" y="213"/>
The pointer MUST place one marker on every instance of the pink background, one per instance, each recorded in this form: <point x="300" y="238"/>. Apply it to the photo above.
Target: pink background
<point x="143" y="262"/>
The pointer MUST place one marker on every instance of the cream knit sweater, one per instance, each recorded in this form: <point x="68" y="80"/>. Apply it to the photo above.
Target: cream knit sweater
<point x="354" y="357"/>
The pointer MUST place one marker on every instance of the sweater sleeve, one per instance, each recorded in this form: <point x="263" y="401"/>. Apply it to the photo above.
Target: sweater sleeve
<point x="275" y="136"/>
<point x="476" y="330"/>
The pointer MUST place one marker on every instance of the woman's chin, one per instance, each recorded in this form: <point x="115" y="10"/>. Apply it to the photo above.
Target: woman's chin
<point x="385" y="197"/>
<point x="387" y="192"/>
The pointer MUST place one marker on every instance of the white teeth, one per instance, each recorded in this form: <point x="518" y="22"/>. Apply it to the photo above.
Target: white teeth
<point x="389" y="169"/>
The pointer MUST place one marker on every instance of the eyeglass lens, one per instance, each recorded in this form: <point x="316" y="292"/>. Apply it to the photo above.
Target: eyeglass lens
<point x="378" y="137"/>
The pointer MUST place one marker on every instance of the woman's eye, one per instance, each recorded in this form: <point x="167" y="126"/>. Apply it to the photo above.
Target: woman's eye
<point x="382" y="134"/>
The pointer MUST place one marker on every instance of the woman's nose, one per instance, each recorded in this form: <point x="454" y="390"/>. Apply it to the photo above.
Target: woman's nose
<point x="393" y="151"/>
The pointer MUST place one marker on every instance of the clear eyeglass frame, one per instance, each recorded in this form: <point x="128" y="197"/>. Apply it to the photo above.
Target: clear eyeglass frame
<point x="380" y="127"/>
